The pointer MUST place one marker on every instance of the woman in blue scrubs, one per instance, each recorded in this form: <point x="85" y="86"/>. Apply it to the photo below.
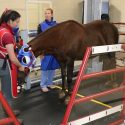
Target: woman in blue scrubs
<point x="48" y="63"/>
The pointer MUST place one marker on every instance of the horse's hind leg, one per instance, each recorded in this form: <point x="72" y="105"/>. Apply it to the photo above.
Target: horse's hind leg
<point x="113" y="76"/>
<point x="70" y="67"/>
<point x="109" y="62"/>
<point x="63" y="74"/>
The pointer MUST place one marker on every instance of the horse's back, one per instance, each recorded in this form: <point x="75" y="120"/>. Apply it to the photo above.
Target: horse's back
<point x="107" y="30"/>
<point x="95" y="33"/>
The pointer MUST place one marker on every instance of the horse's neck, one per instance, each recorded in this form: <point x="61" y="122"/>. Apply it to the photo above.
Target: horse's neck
<point x="40" y="46"/>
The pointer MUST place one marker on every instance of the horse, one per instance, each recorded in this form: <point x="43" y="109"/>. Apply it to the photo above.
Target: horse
<point x="68" y="41"/>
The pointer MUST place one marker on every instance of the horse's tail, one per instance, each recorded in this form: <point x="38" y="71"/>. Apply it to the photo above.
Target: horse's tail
<point x="116" y="40"/>
<point x="111" y="56"/>
<point x="116" y="35"/>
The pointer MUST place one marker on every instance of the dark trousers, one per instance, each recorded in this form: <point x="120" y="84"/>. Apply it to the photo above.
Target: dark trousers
<point x="5" y="81"/>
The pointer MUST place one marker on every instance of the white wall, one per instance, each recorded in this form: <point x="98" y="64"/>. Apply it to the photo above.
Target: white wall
<point x="117" y="14"/>
<point x="64" y="10"/>
<point x="117" y="10"/>
<point x="68" y="9"/>
<point x="18" y="5"/>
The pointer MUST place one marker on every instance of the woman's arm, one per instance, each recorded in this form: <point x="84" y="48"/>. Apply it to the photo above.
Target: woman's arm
<point x="12" y="57"/>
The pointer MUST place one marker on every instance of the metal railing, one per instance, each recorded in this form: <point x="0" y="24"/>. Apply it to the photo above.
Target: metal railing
<point x="82" y="76"/>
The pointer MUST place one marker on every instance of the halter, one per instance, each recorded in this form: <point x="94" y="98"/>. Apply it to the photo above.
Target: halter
<point x="26" y="57"/>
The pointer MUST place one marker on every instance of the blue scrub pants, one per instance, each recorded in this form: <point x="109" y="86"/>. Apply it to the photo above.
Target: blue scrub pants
<point x="47" y="78"/>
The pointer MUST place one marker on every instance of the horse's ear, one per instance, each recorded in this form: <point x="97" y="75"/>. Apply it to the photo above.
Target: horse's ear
<point x="29" y="48"/>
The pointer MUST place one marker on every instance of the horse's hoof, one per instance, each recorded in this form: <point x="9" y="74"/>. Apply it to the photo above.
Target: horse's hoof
<point x="115" y="85"/>
<point x="111" y="84"/>
<point x="61" y="95"/>
<point x="67" y="99"/>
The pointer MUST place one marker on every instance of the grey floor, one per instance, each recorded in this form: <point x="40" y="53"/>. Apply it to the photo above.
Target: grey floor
<point x="39" y="108"/>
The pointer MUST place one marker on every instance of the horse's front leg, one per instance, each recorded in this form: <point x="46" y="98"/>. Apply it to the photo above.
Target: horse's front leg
<point x="70" y="67"/>
<point x="63" y="74"/>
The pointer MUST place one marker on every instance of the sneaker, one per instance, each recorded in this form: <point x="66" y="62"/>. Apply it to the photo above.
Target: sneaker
<point x="44" y="89"/>
<point x="51" y="87"/>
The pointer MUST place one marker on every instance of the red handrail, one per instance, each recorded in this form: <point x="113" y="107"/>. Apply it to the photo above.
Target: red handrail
<point x="120" y="33"/>
<point x="118" y="122"/>
<point x="12" y="118"/>
<point x="107" y="72"/>
<point x="120" y="23"/>
<point x="77" y="101"/>
<point x="76" y="87"/>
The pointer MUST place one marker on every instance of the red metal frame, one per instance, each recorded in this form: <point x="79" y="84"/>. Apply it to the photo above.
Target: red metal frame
<point x="11" y="118"/>
<point x="118" y="24"/>
<point x="82" y="76"/>
<point x="118" y="122"/>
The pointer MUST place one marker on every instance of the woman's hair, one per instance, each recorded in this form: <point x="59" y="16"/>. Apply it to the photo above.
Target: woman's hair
<point x="50" y="9"/>
<point x="9" y="15"/>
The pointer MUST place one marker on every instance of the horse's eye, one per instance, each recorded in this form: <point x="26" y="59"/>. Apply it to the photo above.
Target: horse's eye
<point x="26" y="49"/>
<point x="24" y="60"/>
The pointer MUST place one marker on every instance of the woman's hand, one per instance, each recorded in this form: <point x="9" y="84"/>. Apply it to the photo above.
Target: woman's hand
<point x="21" y="68"/>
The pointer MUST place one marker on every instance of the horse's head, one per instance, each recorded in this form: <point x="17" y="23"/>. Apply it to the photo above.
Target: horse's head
<point x="27" y="59"/>
<point x="26" y="56"/>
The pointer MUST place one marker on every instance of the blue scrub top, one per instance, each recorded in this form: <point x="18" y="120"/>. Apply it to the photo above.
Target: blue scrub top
<point x="49" y="62"/>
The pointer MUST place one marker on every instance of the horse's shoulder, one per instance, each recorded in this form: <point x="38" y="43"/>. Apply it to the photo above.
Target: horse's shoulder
<point x="72" y="22"/>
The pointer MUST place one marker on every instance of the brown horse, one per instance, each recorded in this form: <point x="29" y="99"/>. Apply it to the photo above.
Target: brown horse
<point x="68" y="42"/>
